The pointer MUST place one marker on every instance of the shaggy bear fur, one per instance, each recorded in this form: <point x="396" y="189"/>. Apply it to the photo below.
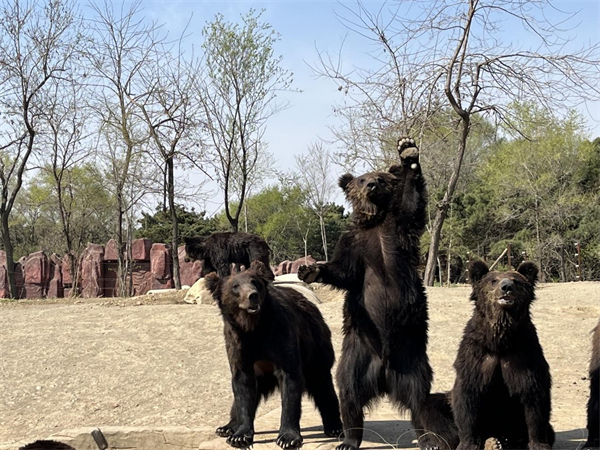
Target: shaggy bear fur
<point x="385" y="308"/>
<point x="593" y="407"/>
<point x="220" y="250"/>
<point x="502" y="387"/>
<point x="46" y="445"/>
<point x="275" y="338"/>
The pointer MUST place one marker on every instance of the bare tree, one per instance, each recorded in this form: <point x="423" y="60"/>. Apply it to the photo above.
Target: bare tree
<point x="239" y="95"/>
<point x="38" y="44"/>
<point x="122" y="47"/>
<point x="172" y="115"/>
<point x="455" y="49"/>
<point x="66" y="148"/>
<point x="314" y="175"/>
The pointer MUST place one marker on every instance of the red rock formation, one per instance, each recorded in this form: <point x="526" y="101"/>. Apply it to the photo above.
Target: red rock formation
<point x="92" y="271"/>
<point x="140" y="249"/>
<point x="55" y="285"/>
<point x="37" y="275"/>
<point x="189" y="272"/>
<point x="160" y="266"/>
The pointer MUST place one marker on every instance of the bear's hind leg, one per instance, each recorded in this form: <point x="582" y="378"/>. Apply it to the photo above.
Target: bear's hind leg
<point x="359" y="377"/>
<point x="320" y="387"/>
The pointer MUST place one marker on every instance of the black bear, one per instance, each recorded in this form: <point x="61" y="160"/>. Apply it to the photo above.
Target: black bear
<point x="593" y="407"/>
<point x="220" y="250"/>
<point x="502" y="387"/>
<point x="275" y="338"/>
<point x="385" y="308"/>
<point x="46" y="445"/>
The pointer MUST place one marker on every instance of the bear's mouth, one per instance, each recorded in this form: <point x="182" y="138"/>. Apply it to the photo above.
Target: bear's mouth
<point x="253" y="309"/>
<point x="506" y="300"/>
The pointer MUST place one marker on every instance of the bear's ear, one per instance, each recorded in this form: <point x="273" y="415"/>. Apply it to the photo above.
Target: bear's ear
<point x="477" y="270"/>
<point x="345" y="180"/>
<point x="530" y="271"/>
<point x="212" y="281"/>
<point x="259" y="268"/>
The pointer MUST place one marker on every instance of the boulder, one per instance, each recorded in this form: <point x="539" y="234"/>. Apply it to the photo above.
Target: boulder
<point x="20" y="277"/>
<point x="301" y="262"/>
<point x="37" y="275"/>
<point x="199" y="294"/>
<point x="189" y="272"/>
<point x="4" y="287"/>
<point x="110" y="251"/>
<point x="160" y="266"/>
<point x="92" y="271"/>
<point x="55" y="285"/>
<point x="141" y="249"/>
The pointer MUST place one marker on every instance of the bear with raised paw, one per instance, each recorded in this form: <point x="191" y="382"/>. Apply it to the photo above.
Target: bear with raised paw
<point x="385" y="309"/>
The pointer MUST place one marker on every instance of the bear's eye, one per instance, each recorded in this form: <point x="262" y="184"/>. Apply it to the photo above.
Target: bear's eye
<point x="235" y="287"/>
<point x="361" y="181"/>
<point x="380" y="181"/>
<point x="494" y="282"/>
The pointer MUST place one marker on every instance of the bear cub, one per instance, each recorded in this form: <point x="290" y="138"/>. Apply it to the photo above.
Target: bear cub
<point x="502" y="387"/>
<point x="220" y="250"/>
<point x="275" y="339"/>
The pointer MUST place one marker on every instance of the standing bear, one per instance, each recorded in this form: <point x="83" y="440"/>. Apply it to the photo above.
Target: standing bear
<point x="385" y="308"/>
<point x="275" y="338"/>
<point x="502" y="387"/>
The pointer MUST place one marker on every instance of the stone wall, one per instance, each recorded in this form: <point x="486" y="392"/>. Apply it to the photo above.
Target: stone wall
<point x="40" y="276"/>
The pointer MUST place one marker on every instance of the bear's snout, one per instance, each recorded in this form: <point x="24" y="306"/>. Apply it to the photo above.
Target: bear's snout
<point x="506" y="288"/>
<point x="507" y="285"/>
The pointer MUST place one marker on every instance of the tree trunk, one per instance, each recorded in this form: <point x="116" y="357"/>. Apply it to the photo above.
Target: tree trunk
<point x="10" y="261"/>
<point x="175" y="224"/>
<point x="444" y="205"/>
<point x="539" y="243"/>
<point x="323" y="236"/>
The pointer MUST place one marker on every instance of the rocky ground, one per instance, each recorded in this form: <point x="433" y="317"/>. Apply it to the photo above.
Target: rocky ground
<point x="156" y="362"/>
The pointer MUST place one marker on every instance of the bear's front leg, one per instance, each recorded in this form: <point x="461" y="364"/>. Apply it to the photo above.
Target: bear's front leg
<point x="245" y="401"/>
<point x="291" y="386"/>
<point x="229" y="428"/>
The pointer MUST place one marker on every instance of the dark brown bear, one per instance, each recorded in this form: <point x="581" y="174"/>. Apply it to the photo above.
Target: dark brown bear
<point x="593" y="407"/>
<point x="385" y="308"/>
<point x="502" y="387"/>
<point x="220" y="250"/>
<point x="275" y="338"/>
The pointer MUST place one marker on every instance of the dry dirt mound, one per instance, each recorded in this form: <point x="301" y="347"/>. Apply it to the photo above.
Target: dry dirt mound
<point x="162" y="364"/>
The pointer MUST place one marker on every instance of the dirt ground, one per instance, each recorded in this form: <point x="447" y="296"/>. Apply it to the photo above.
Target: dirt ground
<point x="157" y="362"/>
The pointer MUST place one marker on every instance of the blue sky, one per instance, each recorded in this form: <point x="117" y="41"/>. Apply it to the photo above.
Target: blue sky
<point x="304" y="25"/>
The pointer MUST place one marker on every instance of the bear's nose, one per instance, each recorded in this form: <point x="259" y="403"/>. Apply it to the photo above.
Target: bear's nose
<point x="506" y="285"/>
<point x="371" y="185"/>
<point x="253" y="297"/>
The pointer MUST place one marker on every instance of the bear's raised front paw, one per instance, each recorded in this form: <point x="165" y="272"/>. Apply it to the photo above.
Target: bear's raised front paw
<point x="225" y="431"/>
<point x="289" y="439"/>
<point x="241" y="439"/>
<point x="309" y="274"/>
<point x="493" y="444"/>
<point x="407" y="149"/>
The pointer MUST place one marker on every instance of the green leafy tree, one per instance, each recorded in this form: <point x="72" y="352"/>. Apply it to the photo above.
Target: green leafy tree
<point x="239" y="95"/>
<point x="158" y="226"/>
